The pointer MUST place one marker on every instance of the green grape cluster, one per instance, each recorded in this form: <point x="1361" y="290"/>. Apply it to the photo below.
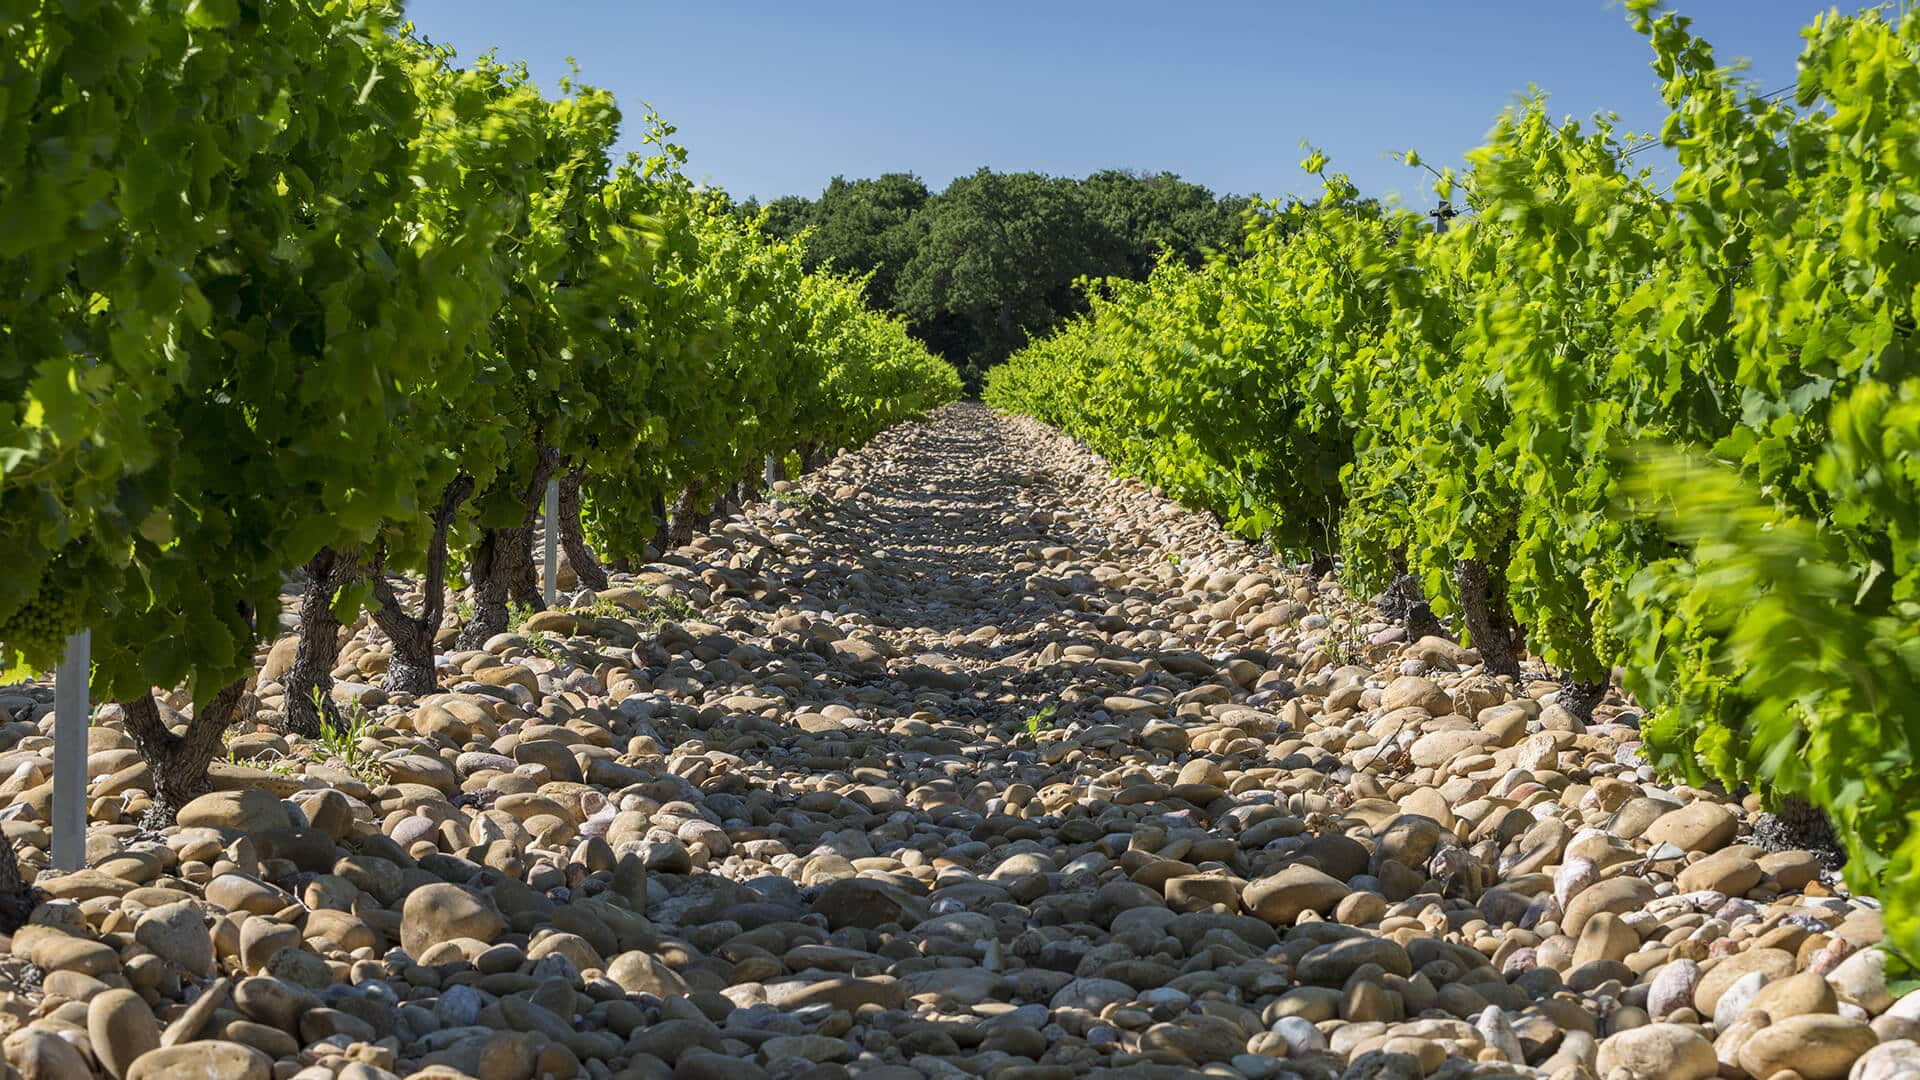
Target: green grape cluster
<point x="34" y="637"/>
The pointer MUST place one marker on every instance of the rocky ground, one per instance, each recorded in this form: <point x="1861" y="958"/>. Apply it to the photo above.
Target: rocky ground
<point x="960" y="758"/>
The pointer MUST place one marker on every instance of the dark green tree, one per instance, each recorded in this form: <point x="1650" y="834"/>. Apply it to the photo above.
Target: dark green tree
<point x="1138" y="215"/>
<point x="991" y="261"/>
<point x="869" y="226"/>
<point x="1001" y="255"/>
<point x="787" y="216"/>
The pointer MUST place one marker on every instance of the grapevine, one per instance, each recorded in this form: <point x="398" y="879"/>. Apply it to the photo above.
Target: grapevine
<point x="287" y="287"/>
<point x="1670" y="430"/>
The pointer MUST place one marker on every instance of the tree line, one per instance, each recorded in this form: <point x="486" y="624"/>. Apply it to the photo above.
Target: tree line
<point x="992" y="261"/>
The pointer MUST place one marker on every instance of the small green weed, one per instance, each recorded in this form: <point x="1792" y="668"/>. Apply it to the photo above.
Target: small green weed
<point x="272" y="761"/>
<point x="662" y="605"/>
<point x="806" y="502"/>
<point x="340" y="742"/>
<point x="1041" y="719"/>
<point x="677" y="607"/>
<point x="1344" y="641"/>
<point x="605" y="609"/>
<point x="666" y="606"/>
<point x="517" y="616"/>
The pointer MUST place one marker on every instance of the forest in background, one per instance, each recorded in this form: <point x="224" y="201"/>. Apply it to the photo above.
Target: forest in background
<point x="990" y="262"/>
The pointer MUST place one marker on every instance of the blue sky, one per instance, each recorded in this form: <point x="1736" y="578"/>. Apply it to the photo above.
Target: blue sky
<point x="775" y="98"/>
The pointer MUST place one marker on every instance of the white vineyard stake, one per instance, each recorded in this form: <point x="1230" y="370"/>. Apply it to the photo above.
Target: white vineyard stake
<point x="552" y="580"/>
<point x="70" y="754"/>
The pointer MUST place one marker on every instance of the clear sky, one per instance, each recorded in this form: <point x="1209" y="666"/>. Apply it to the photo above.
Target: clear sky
<point x="775" y="97"/>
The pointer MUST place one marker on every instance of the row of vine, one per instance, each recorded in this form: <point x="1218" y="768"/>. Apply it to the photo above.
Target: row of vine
<point x="285" y="286"/>
<point x="1668" y="430"/>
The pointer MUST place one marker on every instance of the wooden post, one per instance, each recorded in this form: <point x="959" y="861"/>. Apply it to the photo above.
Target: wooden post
<point x="551" y="583"/>
<point x="70" y="754"/>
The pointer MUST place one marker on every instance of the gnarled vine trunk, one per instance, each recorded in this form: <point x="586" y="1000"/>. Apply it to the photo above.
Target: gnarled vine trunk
<point x="17" y="898"/>
<point x="502" y="558"/>
<point x="309" y="681"/>
<point x="523" y="580"/>
<point x="774" y="470"/>
<point x="1579" y="698"/>
<point x="1405" y="602"/>
<point x="178" y="761"/>
<point x="1483" y="607"/>
<point x="662" y="521"/>
<point x="686" y="518"/>
<point x="579" y="556"/>
<point x="410" y="667"/>
<point x="1798" y="824"/>
<point x="502" y="564"/>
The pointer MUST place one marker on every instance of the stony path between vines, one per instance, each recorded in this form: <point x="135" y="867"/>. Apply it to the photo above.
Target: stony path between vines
<point x="961" y="758"/>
